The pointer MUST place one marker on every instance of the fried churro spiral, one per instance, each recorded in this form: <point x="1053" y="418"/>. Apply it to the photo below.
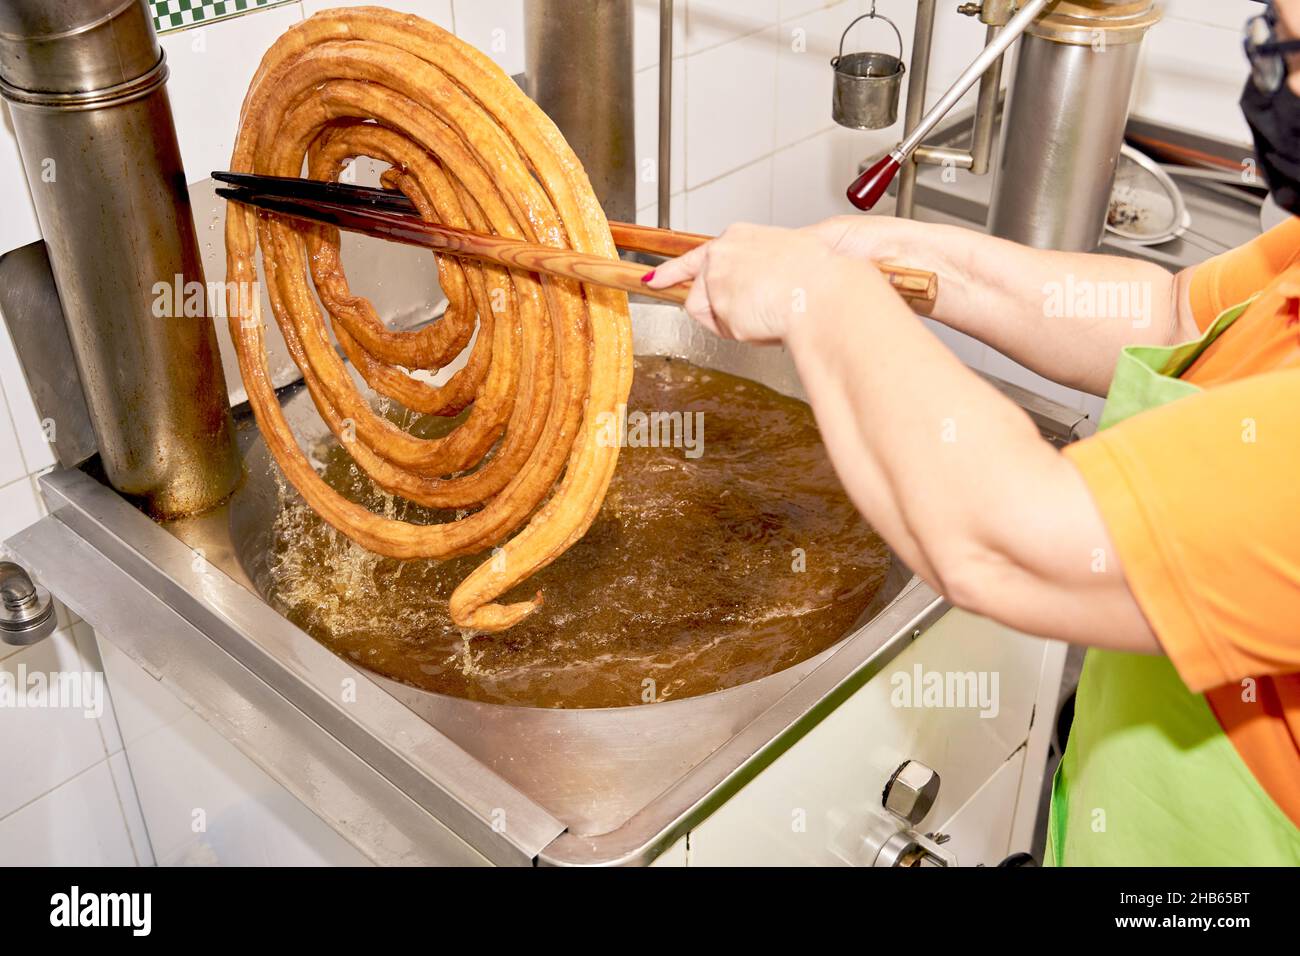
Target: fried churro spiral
<point x="470" y="150"/>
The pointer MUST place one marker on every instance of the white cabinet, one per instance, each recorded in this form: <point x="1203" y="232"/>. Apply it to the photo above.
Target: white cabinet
<point x="980" y="832"/>
<point x="814" y="805"/>
<point x="205" y="801"/>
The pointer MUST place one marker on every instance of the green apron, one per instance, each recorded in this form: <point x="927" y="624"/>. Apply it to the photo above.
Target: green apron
<point x="1148" y="776"/>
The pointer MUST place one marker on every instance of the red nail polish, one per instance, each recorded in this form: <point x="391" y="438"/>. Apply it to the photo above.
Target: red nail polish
<point x="648" y="276"/>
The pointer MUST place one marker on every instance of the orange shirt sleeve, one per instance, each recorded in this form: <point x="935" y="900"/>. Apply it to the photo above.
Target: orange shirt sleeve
<point x="1234" y="276"/>
<point x="1202" y="500"/>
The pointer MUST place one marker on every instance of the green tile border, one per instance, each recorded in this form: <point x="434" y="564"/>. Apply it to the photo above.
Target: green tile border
<point x="169" y="15"/>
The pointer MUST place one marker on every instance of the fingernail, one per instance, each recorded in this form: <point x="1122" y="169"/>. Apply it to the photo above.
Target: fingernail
<point x="648" y="276"/>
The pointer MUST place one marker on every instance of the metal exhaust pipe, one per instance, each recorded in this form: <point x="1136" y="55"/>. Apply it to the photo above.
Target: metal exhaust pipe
<point x="85" y="82"/>
<point x="578" y="69"/>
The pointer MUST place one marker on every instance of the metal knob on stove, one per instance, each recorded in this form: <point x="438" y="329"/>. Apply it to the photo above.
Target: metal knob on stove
<point x="26" y="610"/>
<point x="909" y="848"/>
<point x="911" y="791"/>
<point x="909" y="796"/>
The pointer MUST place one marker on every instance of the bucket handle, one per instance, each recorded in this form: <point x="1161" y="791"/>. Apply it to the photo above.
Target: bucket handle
<point x="872" y="14"/>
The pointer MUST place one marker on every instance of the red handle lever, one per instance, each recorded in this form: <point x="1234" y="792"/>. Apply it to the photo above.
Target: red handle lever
<point x="867" y="189"/>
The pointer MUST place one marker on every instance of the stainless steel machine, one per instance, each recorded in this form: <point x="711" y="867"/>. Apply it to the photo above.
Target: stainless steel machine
<point x="578" y="65"/>
<point x="1064" y="123"/>
<point x="819" y="763"/>
<point x="1064" y="116"/>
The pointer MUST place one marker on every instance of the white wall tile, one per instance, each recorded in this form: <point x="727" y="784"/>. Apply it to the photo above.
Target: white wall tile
<point x="794" y="8"/>
<point x="18" y="225"/>
<point x="646" y="115"/>
<point x="649" y="215"/>
<point x="957" y="41"/>
<point x="645" y="33"/>
<point x="179" y="763"/>
<point x="710" y="23"/>
<point x="124" y="786"/>
<point x="742" y="196"/>
<point x="730" y="106"/>
<point x="19" y="506"/>
<point x="810" y="177"/>
<point x="249" y="819"/>
<point x="211" y="68"/>
<point x="79" y="823"/>
<point x="141" y="704"/>
<point x="494" y="26"/>
<point x="804" y="76"/>
<point x="88" y="650"/>
<point x="11" y="456"/>
<point x="37" y="453"/>
<point x="1191" y="76"/>
<point x="1231" y="14"/>
<point x="41" y="747"/>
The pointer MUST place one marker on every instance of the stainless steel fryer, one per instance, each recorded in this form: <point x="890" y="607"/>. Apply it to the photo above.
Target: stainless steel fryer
<point x="410" y="776"/>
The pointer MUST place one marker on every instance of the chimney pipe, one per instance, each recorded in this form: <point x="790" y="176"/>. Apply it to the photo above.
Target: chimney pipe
<point x="85" y="83"/>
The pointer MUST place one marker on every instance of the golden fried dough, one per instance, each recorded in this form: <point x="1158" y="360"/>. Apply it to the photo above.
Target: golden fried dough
<point x="470" y="150"/>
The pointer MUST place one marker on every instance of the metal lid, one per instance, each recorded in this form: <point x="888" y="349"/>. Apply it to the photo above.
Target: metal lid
<point x="1096" y="23"/>
<point x="75" y="46"/>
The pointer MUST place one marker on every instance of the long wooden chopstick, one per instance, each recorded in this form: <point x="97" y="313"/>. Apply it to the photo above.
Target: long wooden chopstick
<point x="388" y="214"/>
<point x="916" y="285"/>
<point x="564" y="263"/>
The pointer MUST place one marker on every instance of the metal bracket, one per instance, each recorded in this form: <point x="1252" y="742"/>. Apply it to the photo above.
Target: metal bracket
<point x="30" y="304"/>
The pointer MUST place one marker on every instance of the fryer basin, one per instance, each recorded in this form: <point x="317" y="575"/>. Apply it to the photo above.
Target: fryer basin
<point x="595" y="767"/>
<point x="394" y="768"/>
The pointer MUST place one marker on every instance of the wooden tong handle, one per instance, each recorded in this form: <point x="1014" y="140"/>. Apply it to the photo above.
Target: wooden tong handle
<point x="565" y="263"/>
<point x="659" y="242"/>
<point x="916" y="285"/>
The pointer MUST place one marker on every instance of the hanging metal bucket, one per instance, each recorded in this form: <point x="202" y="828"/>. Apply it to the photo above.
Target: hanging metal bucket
<point x="867" y="85"/>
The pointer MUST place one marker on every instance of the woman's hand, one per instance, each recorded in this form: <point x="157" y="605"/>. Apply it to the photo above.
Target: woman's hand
<point x="752" y="282"/>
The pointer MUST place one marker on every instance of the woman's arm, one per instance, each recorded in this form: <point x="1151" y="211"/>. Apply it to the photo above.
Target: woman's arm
<point x="1064" y="315"/>
<point x="952" y="474"/>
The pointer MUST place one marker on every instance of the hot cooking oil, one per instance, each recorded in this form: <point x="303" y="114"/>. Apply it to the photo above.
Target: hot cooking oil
<point x="726" y="550"/>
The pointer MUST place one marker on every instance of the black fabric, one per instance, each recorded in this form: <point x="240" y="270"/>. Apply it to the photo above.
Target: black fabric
<point x="1274" y="120"/>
